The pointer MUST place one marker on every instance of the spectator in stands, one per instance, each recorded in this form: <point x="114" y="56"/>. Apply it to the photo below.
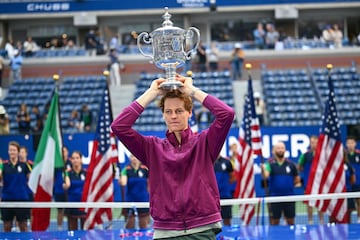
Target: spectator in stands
<point x="14" y="175"/>
<point x="259" y="36"/>
<point x="54" y="43"/>
<point x="181" y="205"/>
<point x="283" y="176"/>
<point x="337" y="36"/>
<point x="201" y="57"/>
<point x="64" y="40"/>
<point x="74" y="123"/>
<point x="38" y="126"/>
<point x="91" y="43"/>
<point x="85" y="118"/>
<point x="223" y="172"/>
<point x="237" y="61"/>
<point x="213" y="57"/>
<point x="272" y="36"/>
<point x="23" y="119"/>
<point x="60" y="195"/>
<point x="260" y="108"/>
<point x="4" y="121"/>
<point x="19" y="46"/>
<point x="353" y="156"/>
<point x="16" y="65"/>
<point x="304" y="165"/>
<point x="9" y="47"/>
<point x="115" y="67"/>
<point x="74" y="184"/>
<point x="71" y="45"/>
<point x="135" y="177"/>
<point x="30" y="47"/>
<point x="114" y="41"/>
<point x="327" y="36"/>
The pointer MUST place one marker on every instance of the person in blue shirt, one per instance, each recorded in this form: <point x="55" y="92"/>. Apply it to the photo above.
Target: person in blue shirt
<point x="223" y="170"/>
<point x="259" y="36"/>
<point x="350" y="178"/>
<point x="74" y="184"/>
<point x="353" y="155"/>
<point x="59" y="194"/>
<point x="16" y="65"/>
<point x="135" y="177"/>
<point x="283" y="177"/>
<point x="14" y="175"/>
<point x="304" y="165"/>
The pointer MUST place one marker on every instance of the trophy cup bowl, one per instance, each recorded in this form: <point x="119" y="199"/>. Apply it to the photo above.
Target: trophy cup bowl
<point x="169" y="48"/>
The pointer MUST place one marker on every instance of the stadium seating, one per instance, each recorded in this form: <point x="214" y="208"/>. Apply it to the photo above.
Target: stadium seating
<point x="73" y="93"/>
<point x="297" y="97"/>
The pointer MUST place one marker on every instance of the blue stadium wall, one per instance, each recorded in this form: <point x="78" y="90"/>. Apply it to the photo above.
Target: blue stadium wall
<point x="17" y="7"/>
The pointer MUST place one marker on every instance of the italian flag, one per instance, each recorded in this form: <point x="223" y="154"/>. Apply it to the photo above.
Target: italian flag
<point x="48" y="156"/>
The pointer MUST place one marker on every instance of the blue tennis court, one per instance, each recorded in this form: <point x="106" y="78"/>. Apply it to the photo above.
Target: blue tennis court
<point x="297" y="232"/>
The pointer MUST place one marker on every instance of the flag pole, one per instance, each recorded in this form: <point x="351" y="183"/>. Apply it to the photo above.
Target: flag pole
<point x="329" y="68"/>
<point x="248" y="67"/>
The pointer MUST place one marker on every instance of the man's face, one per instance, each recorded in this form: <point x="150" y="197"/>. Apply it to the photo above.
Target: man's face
<point x="279" y="150"/>
<point x="313" y="143"/>
<point x="175" y="115"/>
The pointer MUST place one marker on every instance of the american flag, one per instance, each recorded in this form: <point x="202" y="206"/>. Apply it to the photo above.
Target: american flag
<point x="99" y="179"/>
<point x="250" y="143"/>
<point x="327" y="171"/>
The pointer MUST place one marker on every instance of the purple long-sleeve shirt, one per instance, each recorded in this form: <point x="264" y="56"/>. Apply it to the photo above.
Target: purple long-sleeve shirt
<point x="183" y="188"/>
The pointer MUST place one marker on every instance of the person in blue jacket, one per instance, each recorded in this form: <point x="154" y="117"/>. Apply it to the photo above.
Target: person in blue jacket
<point x="304" y="165"/>
<point x="223" y="169"/>
<point x="59" y="194"/>
<point x="353" y="155"/>
<point x="74" y="184"/>
<point x="14" y="175"/>
<point x="283" y="177"/>
<point x="135" y="177"/>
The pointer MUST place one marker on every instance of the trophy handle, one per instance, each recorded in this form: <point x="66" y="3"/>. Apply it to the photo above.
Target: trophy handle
<point x="189" y="34"/>
<point x="146" y="38"/>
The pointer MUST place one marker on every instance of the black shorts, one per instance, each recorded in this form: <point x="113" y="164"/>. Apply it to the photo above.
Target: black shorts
<point x="351" y="204"/>
<point x="139" y="210"/>
<point x="60" y="197"/>
<point x="21" y="214"/>
<point x="288" y="208"/>
<point x="226" y="212"/>
<point x="75" y="212"/>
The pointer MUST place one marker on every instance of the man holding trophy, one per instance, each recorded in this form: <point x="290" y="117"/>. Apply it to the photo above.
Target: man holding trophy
<point x="184" y="197"/>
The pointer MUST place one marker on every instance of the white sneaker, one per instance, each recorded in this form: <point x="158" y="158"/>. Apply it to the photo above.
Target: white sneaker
<point x="358" y="220"/>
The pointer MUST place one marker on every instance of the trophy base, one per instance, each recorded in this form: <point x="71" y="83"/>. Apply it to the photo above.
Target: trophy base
<point x="171" y="85"/>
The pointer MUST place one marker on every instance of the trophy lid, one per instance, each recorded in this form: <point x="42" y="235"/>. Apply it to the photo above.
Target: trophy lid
<point x="167" y="24"/>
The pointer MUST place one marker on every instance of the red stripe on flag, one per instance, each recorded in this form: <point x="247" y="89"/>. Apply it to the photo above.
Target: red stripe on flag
<point x="40" y="216"/>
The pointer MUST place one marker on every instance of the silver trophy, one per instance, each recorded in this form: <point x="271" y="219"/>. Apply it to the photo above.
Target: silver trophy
<point x="171" y="48"/>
